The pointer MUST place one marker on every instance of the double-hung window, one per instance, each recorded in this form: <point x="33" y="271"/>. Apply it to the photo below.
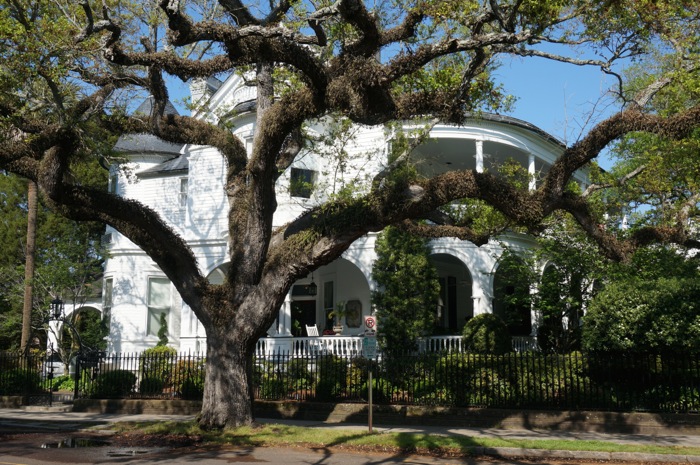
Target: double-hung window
<point x="301" y="182"/>
<point x="159" y="303"/>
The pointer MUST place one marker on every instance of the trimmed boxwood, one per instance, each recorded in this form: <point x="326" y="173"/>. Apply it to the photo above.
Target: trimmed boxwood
<point x="487" y="334"/>
<point x="113" y="385"/>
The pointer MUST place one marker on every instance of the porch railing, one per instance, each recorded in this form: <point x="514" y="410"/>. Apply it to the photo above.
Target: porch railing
<point x="349" y="346"/>
<point x="344" y="346"/>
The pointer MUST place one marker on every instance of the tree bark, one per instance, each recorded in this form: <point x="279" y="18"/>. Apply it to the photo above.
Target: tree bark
<point x="228" y="395"/>
<point x="32" y="211"/>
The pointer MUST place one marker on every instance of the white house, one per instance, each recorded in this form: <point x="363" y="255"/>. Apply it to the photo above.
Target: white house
<point x="185" y="184"/>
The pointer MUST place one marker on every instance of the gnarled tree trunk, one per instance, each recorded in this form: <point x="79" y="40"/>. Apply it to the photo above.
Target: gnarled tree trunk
<point x="228" y="395"/>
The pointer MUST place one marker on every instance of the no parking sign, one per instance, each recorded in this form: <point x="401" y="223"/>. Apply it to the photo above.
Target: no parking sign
<point x="370" y="325"/>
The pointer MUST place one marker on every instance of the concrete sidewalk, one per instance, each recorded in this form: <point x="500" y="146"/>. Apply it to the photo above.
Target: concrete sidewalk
<point x="27" y="420"/>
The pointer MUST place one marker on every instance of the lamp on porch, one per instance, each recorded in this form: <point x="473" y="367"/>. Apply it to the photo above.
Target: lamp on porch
<point x="312" y="288"/>
<point x="57" y="308"/>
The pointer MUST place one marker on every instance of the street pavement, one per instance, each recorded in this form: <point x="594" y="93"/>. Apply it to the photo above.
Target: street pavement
<point x="26" y="420"/>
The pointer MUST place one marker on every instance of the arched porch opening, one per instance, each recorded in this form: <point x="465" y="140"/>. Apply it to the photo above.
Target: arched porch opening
<point x="339" y="285"/>
<point x="455" y="306"/>
<point x="511" y="294"/>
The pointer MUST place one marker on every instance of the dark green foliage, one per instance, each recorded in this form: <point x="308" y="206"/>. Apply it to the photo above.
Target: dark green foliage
<point x="113" y="385"/>
<point x="511" y="288"/>
<point x="407" y="298"/>
<point x="298" y="374"/>
<point x="332" y="374"/>
<point x="68" y="257"/>
<point x="157" y="363"/>
<point x="192" y="388"/>
<point x="486" y="334"/>
<point x="574" y="268"/>
<point x="163" y="331"/>
<point x="151" y="386"/>
<point x="63" y="383"/>
<point x="645" y="315"/>
<point x="91" y="329"/>
<point x="648" y="304"/>
<point x="17" y="381"/>
<point x="188" y="378"/>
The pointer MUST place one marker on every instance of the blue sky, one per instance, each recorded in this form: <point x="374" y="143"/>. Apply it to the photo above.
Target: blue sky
<point x="559" y="98"/>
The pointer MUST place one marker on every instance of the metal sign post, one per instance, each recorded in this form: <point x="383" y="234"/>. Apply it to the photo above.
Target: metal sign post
<point x="369" y="378"/>
<point x="369" y="351"/>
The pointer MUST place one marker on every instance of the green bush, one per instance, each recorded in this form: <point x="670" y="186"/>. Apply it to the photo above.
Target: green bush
<point x="382" y="391"/>
<point x="113" y="385"/>
<point x="151" y="386"/>
<point x="661" y="315"/>
<point x="486" y="334"/>
<point x="63" y="383"/>
<point x="193" y="388"/>
<point x="157" y="362"/>
<point x="188" y="378"/>
<point x="273" y="387"/>
<point x="298" y="374"/>
<point x="332" y="372"/>
<point x="19" y="381"/>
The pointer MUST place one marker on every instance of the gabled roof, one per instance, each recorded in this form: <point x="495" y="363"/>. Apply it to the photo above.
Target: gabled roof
<point x="146" y="143"/>
<point x="146" y="108"/>
<point x="173" y="166"/>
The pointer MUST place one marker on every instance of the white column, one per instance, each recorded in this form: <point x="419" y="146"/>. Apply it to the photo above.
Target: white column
<point x="531" y="172"/>
<point x="479" y="156"/>
<point x="481" y="293"/>
<point x="285" y="317"/>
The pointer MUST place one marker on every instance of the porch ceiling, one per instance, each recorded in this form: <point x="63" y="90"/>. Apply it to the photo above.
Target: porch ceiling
<point x="446" y="154"/>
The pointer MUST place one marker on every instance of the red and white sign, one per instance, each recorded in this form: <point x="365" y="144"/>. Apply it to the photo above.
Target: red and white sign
<point x="370" y="324"/>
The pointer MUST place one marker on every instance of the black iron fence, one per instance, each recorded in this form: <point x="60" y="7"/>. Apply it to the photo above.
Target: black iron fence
<point x="27" y="375"/>
<point x="623" y="382"/>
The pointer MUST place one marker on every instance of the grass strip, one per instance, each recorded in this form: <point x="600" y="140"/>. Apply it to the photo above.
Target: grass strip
<point x="410" y="442"/>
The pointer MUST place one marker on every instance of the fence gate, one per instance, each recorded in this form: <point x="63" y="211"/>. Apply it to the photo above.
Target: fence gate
<point x="39" y="372"/>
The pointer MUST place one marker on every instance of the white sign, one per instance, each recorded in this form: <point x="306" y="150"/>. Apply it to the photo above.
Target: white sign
<point x="369" y="347"/>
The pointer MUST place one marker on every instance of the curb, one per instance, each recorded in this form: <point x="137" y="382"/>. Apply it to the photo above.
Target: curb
<point x="514" y="452"/>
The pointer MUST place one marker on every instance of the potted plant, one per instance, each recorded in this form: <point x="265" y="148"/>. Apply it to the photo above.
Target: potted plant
<point x="337" y="315"/>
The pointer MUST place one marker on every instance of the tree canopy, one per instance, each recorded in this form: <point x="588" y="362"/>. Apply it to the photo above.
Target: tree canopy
<point x="69" y="261"/>
<point x="69" y="67"/>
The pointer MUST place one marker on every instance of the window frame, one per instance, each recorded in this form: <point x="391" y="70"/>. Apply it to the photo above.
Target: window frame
<point x="153" y="311"/>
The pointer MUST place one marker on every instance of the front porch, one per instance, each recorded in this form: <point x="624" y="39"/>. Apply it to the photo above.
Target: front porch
<point x="351" y="346"/>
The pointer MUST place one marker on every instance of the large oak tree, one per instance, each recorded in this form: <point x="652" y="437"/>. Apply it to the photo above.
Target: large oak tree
<point x="65" y="68"/>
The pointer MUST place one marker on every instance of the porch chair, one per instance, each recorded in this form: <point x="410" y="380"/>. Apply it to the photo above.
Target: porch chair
<point x="312" y="331"/>
<point x="315" y="348"/>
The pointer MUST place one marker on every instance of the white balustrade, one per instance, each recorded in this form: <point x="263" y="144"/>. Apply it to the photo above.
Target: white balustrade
<point x="351" y="346"/>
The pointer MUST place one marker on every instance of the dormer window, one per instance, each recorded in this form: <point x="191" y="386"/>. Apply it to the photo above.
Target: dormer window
<point x="301" y="183"/>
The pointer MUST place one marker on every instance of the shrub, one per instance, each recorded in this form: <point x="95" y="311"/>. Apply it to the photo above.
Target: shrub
<point x="486" y="334"/>
<point x="19" y="381"/>
<point x="63" y="383"/>
<point x="192" y="388"/>
<point x="298" y="374"/>
<point x="157" y="363"/>
<point x="188" y="378"/>
<point x="113" y="385"/>
<point x="356" y="376"/>
<point x="273" y="388"/>
<point x="332" y="372"/>
<point x="645" y="315"/>
<point x="151" y="386"/>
